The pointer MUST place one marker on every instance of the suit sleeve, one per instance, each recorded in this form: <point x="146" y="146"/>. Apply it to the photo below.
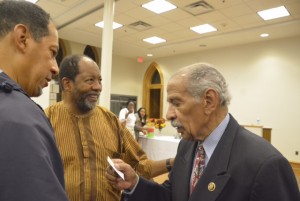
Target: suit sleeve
<point x="150" y="190"/>
<point x="275" y="181"/>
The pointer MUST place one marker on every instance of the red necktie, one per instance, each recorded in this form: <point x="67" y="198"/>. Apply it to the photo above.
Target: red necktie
<point x="198" y="166"/>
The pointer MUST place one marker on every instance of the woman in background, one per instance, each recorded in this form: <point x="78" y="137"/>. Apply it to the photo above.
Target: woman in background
<point x="141" y="120"/>
<point x="127" y="116"/>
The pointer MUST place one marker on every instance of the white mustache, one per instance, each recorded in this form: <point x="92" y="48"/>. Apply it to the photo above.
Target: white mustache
<point x="175" y="124"/>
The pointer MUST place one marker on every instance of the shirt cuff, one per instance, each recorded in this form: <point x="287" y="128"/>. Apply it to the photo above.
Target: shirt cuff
<point x="127" y="192"/>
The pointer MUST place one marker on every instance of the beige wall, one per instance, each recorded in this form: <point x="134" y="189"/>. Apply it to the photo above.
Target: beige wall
<point x="127" y="77"/>
<point x="264" y="80"/>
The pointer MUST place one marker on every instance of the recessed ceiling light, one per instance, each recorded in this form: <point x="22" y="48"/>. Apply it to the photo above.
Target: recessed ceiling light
<point x="154" y="40"/>
<point x="115" y="25"/>
<point x="149" y="55"/>
<point x="264" y="35"/>
<point x="204" y="28"/>
<point x="159" y="6"/>
<point x="32" y="1"/>
<point x="273" y="13"/>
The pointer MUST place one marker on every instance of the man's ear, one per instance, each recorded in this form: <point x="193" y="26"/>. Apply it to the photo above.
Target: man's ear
<point x="21" y="36"/>
<point x="211" y="99"/>
<point x="66" y="84"/>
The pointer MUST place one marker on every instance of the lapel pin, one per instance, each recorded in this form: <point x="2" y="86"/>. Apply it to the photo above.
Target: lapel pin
<point x="211" y="186"/>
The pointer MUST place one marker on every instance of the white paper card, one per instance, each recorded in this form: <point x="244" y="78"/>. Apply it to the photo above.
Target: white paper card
<point x="121" y="174"/>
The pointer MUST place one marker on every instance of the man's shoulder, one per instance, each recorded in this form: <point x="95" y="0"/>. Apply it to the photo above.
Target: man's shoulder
<point x="251" y="146"/>
<point x="22" y="113"/>
<point x="52" y="109"/>
<point x="55" y="105"/>
<point x="18" y="106"/>
<point x="105" y="111"/>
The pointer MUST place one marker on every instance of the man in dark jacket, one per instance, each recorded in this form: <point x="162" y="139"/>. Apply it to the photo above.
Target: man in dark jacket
<point x="31" y="167"/>
<point x="232" y="163"/>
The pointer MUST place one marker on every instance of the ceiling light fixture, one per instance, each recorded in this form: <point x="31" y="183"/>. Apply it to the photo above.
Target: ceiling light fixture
<point x="33" y="1"/>
<point x="204" y="28"/>
<point x="149" y="55"/>
<point x="273" y="13"/>
<point x="115" y="25"/>
<point x="159" y="6"/>
<point x="154" y="40"/>
<point x="264" y="35"/>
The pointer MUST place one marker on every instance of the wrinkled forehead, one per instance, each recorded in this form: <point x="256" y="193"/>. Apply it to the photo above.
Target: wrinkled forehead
<point x="178" y="79"/>
<point x="177" y="87"/>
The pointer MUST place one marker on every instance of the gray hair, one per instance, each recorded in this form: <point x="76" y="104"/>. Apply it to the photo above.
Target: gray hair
<point x="200" y="77"/>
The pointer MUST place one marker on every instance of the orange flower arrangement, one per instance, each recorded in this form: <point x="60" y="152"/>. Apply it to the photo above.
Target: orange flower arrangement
<point x="157" y="123"/>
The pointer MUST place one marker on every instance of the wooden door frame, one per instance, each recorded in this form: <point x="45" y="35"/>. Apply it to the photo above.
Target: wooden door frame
<point x="147" y="86"/>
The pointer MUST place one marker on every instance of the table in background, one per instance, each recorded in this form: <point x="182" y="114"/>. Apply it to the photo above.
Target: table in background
<point x="159" y="147"/>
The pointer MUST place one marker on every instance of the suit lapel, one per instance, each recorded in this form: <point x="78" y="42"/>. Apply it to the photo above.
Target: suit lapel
<point x="182" y="170"/>
<point x="215" y="175"/>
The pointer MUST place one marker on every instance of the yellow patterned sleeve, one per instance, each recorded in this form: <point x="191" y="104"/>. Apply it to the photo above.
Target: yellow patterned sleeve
<point x="135" y="156"/>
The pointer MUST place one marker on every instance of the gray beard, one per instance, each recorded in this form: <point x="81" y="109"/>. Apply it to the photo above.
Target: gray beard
<point x="85" y="106"/>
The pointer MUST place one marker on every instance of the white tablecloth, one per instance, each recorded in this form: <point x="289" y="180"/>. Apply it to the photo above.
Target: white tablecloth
<point x="159" y="147"/>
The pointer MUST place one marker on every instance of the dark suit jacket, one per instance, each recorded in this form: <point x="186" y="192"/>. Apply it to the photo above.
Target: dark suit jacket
<point x="243" y="167"/>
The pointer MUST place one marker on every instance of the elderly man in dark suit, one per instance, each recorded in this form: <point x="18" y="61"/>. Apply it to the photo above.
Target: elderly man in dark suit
<point x="217" y="160"/>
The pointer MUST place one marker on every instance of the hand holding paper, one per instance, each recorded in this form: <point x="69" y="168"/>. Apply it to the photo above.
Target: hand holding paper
<point x="115" y="169"/>
<point x="126" y="177"/>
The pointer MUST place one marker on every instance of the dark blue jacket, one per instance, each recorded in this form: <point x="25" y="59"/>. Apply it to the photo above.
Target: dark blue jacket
<point x="30" y="165"/>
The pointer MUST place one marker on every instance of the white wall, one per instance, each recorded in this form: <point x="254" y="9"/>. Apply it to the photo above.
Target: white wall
<point x="264" y="80"/>
<point x="44" y="99"/>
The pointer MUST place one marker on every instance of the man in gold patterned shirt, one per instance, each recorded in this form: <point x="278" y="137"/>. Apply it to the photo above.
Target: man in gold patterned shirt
<point x="87" y="133"/>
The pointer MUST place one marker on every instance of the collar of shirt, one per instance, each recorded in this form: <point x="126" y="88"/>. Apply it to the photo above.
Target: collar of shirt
<point x="1" y="71"/>
<point x="213" y="139"/>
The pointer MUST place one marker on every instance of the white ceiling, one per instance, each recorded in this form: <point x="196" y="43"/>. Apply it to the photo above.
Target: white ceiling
<point x="236" y="20"/>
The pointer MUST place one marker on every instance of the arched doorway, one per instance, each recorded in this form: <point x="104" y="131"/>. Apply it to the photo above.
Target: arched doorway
<point x="153" y="91"/>
<point x="91" y="52"/>
<point x="59" y="57"/>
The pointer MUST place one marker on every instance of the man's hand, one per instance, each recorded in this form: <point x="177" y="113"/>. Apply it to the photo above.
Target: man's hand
<point x="116" y="181"/>
<point x="144" y="130"/>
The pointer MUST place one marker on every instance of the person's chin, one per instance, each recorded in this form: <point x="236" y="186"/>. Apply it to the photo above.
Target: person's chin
<point x="91" y="104"/>
<point x="185" y="135"/>
<point x="180" y="130"/>
<point x="38" y="92"/>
